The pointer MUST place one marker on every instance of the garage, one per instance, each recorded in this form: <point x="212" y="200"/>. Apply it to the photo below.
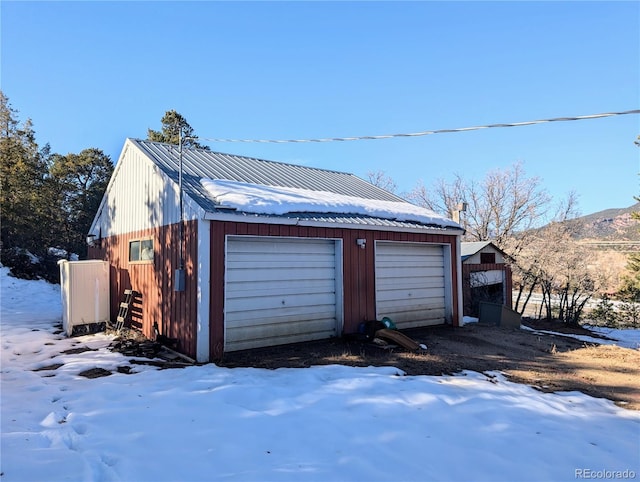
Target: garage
<point x="412" y="283"/>
<point x="281" y="290"/>
<point x="261" y="252"/>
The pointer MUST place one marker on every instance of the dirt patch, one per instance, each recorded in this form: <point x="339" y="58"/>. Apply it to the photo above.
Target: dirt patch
<point x="53" y="366"/>
<point x="95" y="373"/>
<point x="77" y="351"/>
<point x="130" y="343"/>
<point x="139" y="348"/>
<point x="548" y="362"/>
<point x="545" y="361"/>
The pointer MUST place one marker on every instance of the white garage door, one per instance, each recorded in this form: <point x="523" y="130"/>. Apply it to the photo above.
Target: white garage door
<point x="410" y="284"/>
<point x="280" y="290"/>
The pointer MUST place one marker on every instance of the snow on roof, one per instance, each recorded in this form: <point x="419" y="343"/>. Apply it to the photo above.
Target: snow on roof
<point x="278" y="200"/>
<point x="472" y="247"/>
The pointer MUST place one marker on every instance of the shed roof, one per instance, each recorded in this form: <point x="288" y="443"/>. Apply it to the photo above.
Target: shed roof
<point x="468" y="249"/>
<point x="202" y="164"/>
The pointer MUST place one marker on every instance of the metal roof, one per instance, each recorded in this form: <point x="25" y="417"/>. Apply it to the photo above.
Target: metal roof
<point x="468" y="249"/>
<point x="202" y="163"/>
<point x="361" y="220"/>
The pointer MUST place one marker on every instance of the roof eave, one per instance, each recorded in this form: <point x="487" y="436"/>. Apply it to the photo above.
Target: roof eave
<point x="295" y="221"/>
<point x="375" y="227"/>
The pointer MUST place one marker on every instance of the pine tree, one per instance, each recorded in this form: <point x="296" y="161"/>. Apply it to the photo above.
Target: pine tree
<point x="46" y="200"/>
<point x="22" y="177"/>
<point x="172" y="123"/>
<point x="630" y="290"/>
<point x="78" y="183"/>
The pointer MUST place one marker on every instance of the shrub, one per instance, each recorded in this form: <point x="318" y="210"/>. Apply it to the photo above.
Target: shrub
<point x="628" y="314"/>
<point x="22" y="264"/>
<point x="605" y="313"/>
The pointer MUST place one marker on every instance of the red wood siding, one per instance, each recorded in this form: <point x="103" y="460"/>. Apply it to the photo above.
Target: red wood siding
<point x="175" y="312"/>
<point x="358" y="269"/>
<point x="469" y="268"/>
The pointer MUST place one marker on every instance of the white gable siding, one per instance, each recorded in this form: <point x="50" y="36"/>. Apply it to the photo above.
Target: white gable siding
<point x="475" y="259"/>
<point x="140" y="196"/>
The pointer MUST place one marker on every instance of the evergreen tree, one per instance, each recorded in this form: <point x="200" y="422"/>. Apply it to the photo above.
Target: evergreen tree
<point x="630" y="290"/>
<point x="23" y="175"/>
<point x="78" y="183"/>
<point x="172" y="124"/>
<point x="46" y="200"/>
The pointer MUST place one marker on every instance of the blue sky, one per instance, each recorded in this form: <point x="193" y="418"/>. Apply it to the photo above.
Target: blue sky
<point x="90" y="74"/>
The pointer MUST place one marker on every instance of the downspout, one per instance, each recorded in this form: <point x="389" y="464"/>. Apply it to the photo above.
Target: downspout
<point x="459" y="321"/>
<point x="179" y="274"/>
<point x="460" y="208"/>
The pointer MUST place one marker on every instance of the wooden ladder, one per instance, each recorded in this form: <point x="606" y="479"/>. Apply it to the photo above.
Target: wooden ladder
<point x="124" y="309"/>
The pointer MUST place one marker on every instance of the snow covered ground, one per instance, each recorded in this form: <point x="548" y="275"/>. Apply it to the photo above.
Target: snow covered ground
<point x="627" y="338"/>
<point x="329" y="423"/>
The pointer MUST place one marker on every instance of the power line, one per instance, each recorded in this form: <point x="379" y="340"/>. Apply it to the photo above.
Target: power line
<point x="427" y="133"/>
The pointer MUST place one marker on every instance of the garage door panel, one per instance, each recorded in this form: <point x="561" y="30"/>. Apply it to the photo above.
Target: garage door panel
<point x="279" y="290"/>
<point x="426" y="317"/>
<point x="414" y="272"/>
<point x="306" y="301"/>
<point x="410" y="283"/>
<point x="417" y="307"/>
<point x="412" y="297"/>
<point x="402" y="306"/>
<point x="275" y="261"/>
<point x="287" y="274"/>
<point x="253" y="338"/>
<point x="413" y="261"/>
<point x="277" y="246"/>
<point x="245" y="337"/>
<point x="269" y="330"/>
<point x="288" y="316"/>
<point x="427" y="311"/>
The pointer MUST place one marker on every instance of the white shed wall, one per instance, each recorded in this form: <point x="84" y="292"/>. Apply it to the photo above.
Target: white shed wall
<point x="140" y="196"/>
<point x="84" y="287"/>
<point x="475" y="259"/>
<point x="486" y="278"/>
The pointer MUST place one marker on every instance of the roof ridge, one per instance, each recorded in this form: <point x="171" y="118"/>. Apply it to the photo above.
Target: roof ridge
<point x="203" y="163"/>
<point x="206" y="151"/>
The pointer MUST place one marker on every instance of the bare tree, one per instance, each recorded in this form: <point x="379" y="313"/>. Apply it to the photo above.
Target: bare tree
<point x="564" y="273"/>
<point x="527" y="248"/>
<point x="508" y="202"/>
<point x="382" y="180"/>
<point x="567" y="209"/>
<point x="504" y="203"/>
<point x="512" y="210"/>
<point x="552" y="261"/>
<point x="443" y="198"/>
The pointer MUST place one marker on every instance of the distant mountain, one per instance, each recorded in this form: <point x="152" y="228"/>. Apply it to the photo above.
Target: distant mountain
<point x="608" y="225"/>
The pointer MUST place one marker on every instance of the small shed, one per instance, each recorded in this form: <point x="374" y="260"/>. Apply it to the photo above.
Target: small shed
<point x="486" y="276"/>
<point x="228" y="252"/>
<point x="84" y="287"/>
